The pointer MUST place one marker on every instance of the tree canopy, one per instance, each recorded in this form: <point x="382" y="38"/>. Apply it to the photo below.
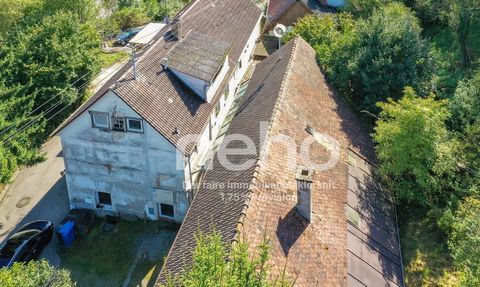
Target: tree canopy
<point x="464" y="239"/>
<point x="34" y="274"/>
<point x="46" y="63"/>
<point x="217" y="264"/>
<point x="412" y="145"/>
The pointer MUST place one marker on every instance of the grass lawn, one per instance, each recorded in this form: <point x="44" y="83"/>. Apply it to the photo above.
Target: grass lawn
<point x="106" y="258"/>
<point x="449" y="58"/>
<point x="108" y="59"/>
<point x="426" y="256"/>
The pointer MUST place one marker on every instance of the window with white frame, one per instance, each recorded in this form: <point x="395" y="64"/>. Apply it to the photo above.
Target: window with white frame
<point x="134" y="125"/>
<point x="100" y="120"/>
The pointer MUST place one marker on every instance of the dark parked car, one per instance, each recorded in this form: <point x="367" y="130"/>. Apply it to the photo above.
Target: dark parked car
<point x="27" y="243"/>
<point x="124" y="37"/>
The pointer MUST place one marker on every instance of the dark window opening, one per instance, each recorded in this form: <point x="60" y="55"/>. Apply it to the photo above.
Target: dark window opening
<point x="166" y="209"/>
<point x="104" y="198"/>
<point x="118" y="124"/>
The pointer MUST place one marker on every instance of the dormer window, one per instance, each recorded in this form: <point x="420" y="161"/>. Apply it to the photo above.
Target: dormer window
<point x="100" y="120"/>
<point x="200" y="62"/>
<point x="134" y="125"/>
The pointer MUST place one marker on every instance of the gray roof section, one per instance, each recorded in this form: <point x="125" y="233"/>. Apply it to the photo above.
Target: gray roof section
<point x="198" y="55"/>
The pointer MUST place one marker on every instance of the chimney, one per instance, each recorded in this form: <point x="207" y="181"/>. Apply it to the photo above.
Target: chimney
<point x="176" y="27"/>
<point x="304" y="193"/>
<point x="165" y="63"/>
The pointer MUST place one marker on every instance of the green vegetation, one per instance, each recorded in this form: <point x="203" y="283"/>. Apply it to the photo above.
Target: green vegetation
<point x="464" y="239"/>
<point x="108" y="59"/>
<point x="47" y="60"/>
<point x="104" y="258"/>
<point x="210" y="269"/>
<point x="126" y="14"/>
<point x="412" y="144"/>
<point x="425" y="251"/>
<point x="34" y="274"/>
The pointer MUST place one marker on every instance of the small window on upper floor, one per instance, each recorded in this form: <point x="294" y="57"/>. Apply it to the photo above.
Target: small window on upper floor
<point x="217" y="109"/>
<point x="134" y="125"/>
<point x="240" y="64"/>
<point x="100" y="120"/>
<point x="226" y="92"/>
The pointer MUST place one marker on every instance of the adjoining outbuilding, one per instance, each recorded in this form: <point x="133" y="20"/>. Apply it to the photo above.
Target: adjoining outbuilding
<point x="287" y="12"/>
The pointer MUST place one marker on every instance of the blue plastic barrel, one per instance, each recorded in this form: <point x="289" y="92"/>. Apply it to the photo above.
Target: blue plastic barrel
<point x="67" y="231"/>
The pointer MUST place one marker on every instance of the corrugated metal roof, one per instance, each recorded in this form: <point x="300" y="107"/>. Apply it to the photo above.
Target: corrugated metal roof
<point x="147" y="33"/>
<point x="374" y="257"/>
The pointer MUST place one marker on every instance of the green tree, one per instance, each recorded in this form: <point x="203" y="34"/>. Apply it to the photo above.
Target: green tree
<point x="130" y="17"/>
<point x="370" y="60"/>
<point x="12" y="11"/>
<point x="414" y="150"/>
<point x="34" y="274"/>
<point x="21" y="149"/>
<point x="392" y="55"/>
<point x="210" y="267"/>
<point x="45" y="67"/>
<point x="464" y="239"/>
<point x="169" y="8"/>
<point x="364" y="8"/>
<point x="465" y="104"/>
<point x="461" y="15"/>
<point x="84" y="10"/>
<point x="54" y="58"/>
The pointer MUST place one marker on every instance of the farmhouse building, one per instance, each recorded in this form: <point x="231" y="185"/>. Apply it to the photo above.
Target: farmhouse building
<point x="137" y="146"/>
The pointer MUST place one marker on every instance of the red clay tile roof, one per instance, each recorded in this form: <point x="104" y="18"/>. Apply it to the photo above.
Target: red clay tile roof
<point x="158" y="96"/>
<point x="214" y="206"/>
<point x="288" y="92"/>
<point x="277" y="8"/>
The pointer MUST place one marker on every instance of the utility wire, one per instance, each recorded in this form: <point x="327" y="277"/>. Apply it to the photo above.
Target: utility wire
<point x="23" y="128"/>
<point x="86" y="74"/>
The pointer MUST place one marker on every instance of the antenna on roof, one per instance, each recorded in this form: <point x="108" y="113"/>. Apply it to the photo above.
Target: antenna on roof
<point x="131" y="46"/>
<point x="279" y="31"/>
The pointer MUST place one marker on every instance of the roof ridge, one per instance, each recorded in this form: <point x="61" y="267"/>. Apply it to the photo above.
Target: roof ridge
<point x="263" y="150"/>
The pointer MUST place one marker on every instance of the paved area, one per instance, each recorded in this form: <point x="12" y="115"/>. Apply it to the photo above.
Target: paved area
<point x="105" y="75"/>
<point x="38" y="192"/>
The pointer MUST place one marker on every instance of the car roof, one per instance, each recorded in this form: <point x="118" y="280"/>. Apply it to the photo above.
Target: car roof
<point x="24" y="235"/>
